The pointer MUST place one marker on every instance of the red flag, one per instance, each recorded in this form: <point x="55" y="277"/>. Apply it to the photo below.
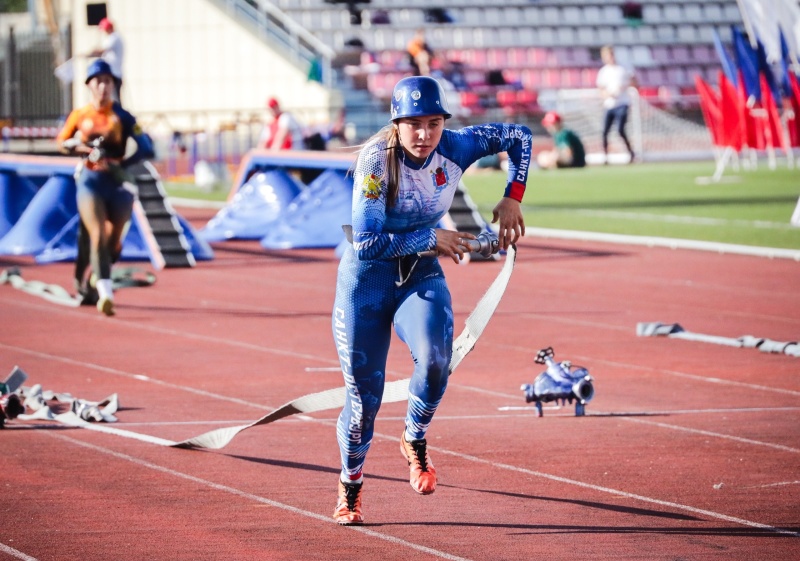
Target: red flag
<point x="732" y="129"/>
<point x="709" y="105"/>
<point x="775" y="136"/>
<point x="753" y="127"/>
<point x="793" y="124"/>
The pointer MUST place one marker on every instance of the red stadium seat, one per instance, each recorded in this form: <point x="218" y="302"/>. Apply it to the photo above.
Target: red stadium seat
<point x="589" y="77"/>
<point x="497" y="58"/>
<point x="517" y="57"/>
<point x="507" y="100"/>
<point x="537" y="56"/>
<point x="531" y="79"/>
<point x="472" y="101"/>
<point x="528" y="101"/>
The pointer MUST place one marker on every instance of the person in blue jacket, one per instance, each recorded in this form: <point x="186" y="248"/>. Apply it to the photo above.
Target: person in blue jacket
<point x="404" y="181"/>
<point x="99" y="133"/>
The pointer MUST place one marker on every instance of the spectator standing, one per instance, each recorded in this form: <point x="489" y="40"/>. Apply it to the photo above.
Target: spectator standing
<point x="568" y="150"/>
<point x="420" y="55"/>
<point x="112" y="51"/>
<point x="282" y="131"/>
<point x="613" y="80"/>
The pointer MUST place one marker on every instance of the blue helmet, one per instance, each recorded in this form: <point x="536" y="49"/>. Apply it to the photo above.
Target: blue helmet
<point x="96" y="68"/>
<point x="417" y="96"/>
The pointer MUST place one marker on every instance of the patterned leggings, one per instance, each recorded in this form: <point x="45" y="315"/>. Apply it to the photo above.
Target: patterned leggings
<point x="368" y="302"/>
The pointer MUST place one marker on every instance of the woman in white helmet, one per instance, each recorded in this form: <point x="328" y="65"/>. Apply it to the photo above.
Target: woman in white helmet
<point x="404" y="182"/>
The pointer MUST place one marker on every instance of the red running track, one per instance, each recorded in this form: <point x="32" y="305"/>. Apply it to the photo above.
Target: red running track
<point x="689" y="450"/>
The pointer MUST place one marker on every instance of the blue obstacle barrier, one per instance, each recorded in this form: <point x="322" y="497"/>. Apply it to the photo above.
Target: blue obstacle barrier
<point x="315" y="217"/>
<point x="38" y="208"/>
<point x="254" y="206"/>
<point x="200" y="248"/>
<point x="16" y="193"/>
<point x="44" y="217"/>
<point x="64" y="245"/>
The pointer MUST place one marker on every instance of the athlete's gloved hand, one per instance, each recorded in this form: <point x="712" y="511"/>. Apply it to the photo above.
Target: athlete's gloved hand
<point x="71" y="143"/>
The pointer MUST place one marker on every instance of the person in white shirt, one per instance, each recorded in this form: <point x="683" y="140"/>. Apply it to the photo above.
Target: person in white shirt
<point x="112" y="51"/>
<point x="283" y="132"/>
<point x="613" y="80"/>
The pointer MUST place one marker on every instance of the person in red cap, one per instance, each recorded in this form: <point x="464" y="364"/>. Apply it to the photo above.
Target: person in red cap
<point x="282" y="131"/>
<point x="112" y="51"/>
<point x="568" y="150"/>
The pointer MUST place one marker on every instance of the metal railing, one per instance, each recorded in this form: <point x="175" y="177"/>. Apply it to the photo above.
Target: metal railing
<point x="30" y="95"/>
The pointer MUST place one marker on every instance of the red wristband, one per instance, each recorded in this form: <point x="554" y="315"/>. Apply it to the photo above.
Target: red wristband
<point x="515" y="190"/>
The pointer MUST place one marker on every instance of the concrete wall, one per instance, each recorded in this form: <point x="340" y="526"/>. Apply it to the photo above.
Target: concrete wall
<point x="195" y="64"/>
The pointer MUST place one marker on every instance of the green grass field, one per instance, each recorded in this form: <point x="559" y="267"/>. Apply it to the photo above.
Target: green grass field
<point x="657" y="200"/>
<point x="748" y="207"/>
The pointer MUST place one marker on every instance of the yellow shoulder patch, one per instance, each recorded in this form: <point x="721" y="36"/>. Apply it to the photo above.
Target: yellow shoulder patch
<point x="372" y="187"/>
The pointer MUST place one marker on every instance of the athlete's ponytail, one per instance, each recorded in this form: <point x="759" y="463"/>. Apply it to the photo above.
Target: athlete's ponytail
<point x="393" y="154"/>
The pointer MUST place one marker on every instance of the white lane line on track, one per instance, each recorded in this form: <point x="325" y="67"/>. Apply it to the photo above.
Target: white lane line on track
<point x="16" y="553"/>
<point x="714" y="434"/>
<point x="182" y="333"/>
<point x="139" y="377"/>
<point x="256" y="498"/>
<point x="466" y="457"/>
<point x="223" y="341"/>
<point x="668" y="504"/>
<point x="648" y="413"/>
<point x="779" y="484"/>
<point x="156" y="440"/>
<point x="671" y="243"/>
<point x="678" y="219"/>
<point x="504" y="466"/>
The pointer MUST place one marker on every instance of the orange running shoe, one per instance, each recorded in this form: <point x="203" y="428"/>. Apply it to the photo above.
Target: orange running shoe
<point x="348" y="507"/>
<point x="423" y="474"/>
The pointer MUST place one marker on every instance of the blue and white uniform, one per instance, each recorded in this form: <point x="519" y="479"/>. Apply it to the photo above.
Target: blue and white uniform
<point x="382" y="281"/>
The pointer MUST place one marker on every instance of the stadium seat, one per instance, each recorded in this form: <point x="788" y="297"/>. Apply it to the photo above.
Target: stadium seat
<point x="692" y="13"/>
<point x="472" y="101"/>
<point x="660" y="53"/>
<point x="687" y="33"/>
<point x="704" y="54"/>
<point x="528" y="101"/>
<point x="537" y="56"/>
<point x="551" y="78"/>
<point x="591" y="15"/>
<point x="589" y="77"/>
<point x="581" y="55"/>
<point x="680" y="53"/>
<point x="648" y="92"/>
<point x="507" y="101"/>
<point x="531" y="79"/>
<point x="550" y="15"/>
<point x="713" y="13"/>
<point x="381" y="84"/>
<point x="571" y="15"/>
<point x="479" y="58"/>
<point x="497" y="57"/>
<point x="517" y="57"/>
<point x="570" y="78"/>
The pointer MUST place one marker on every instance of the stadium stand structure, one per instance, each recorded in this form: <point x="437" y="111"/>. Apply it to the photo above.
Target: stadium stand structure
<point x="535" y="45"/>
<point x="542" y="44"/>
